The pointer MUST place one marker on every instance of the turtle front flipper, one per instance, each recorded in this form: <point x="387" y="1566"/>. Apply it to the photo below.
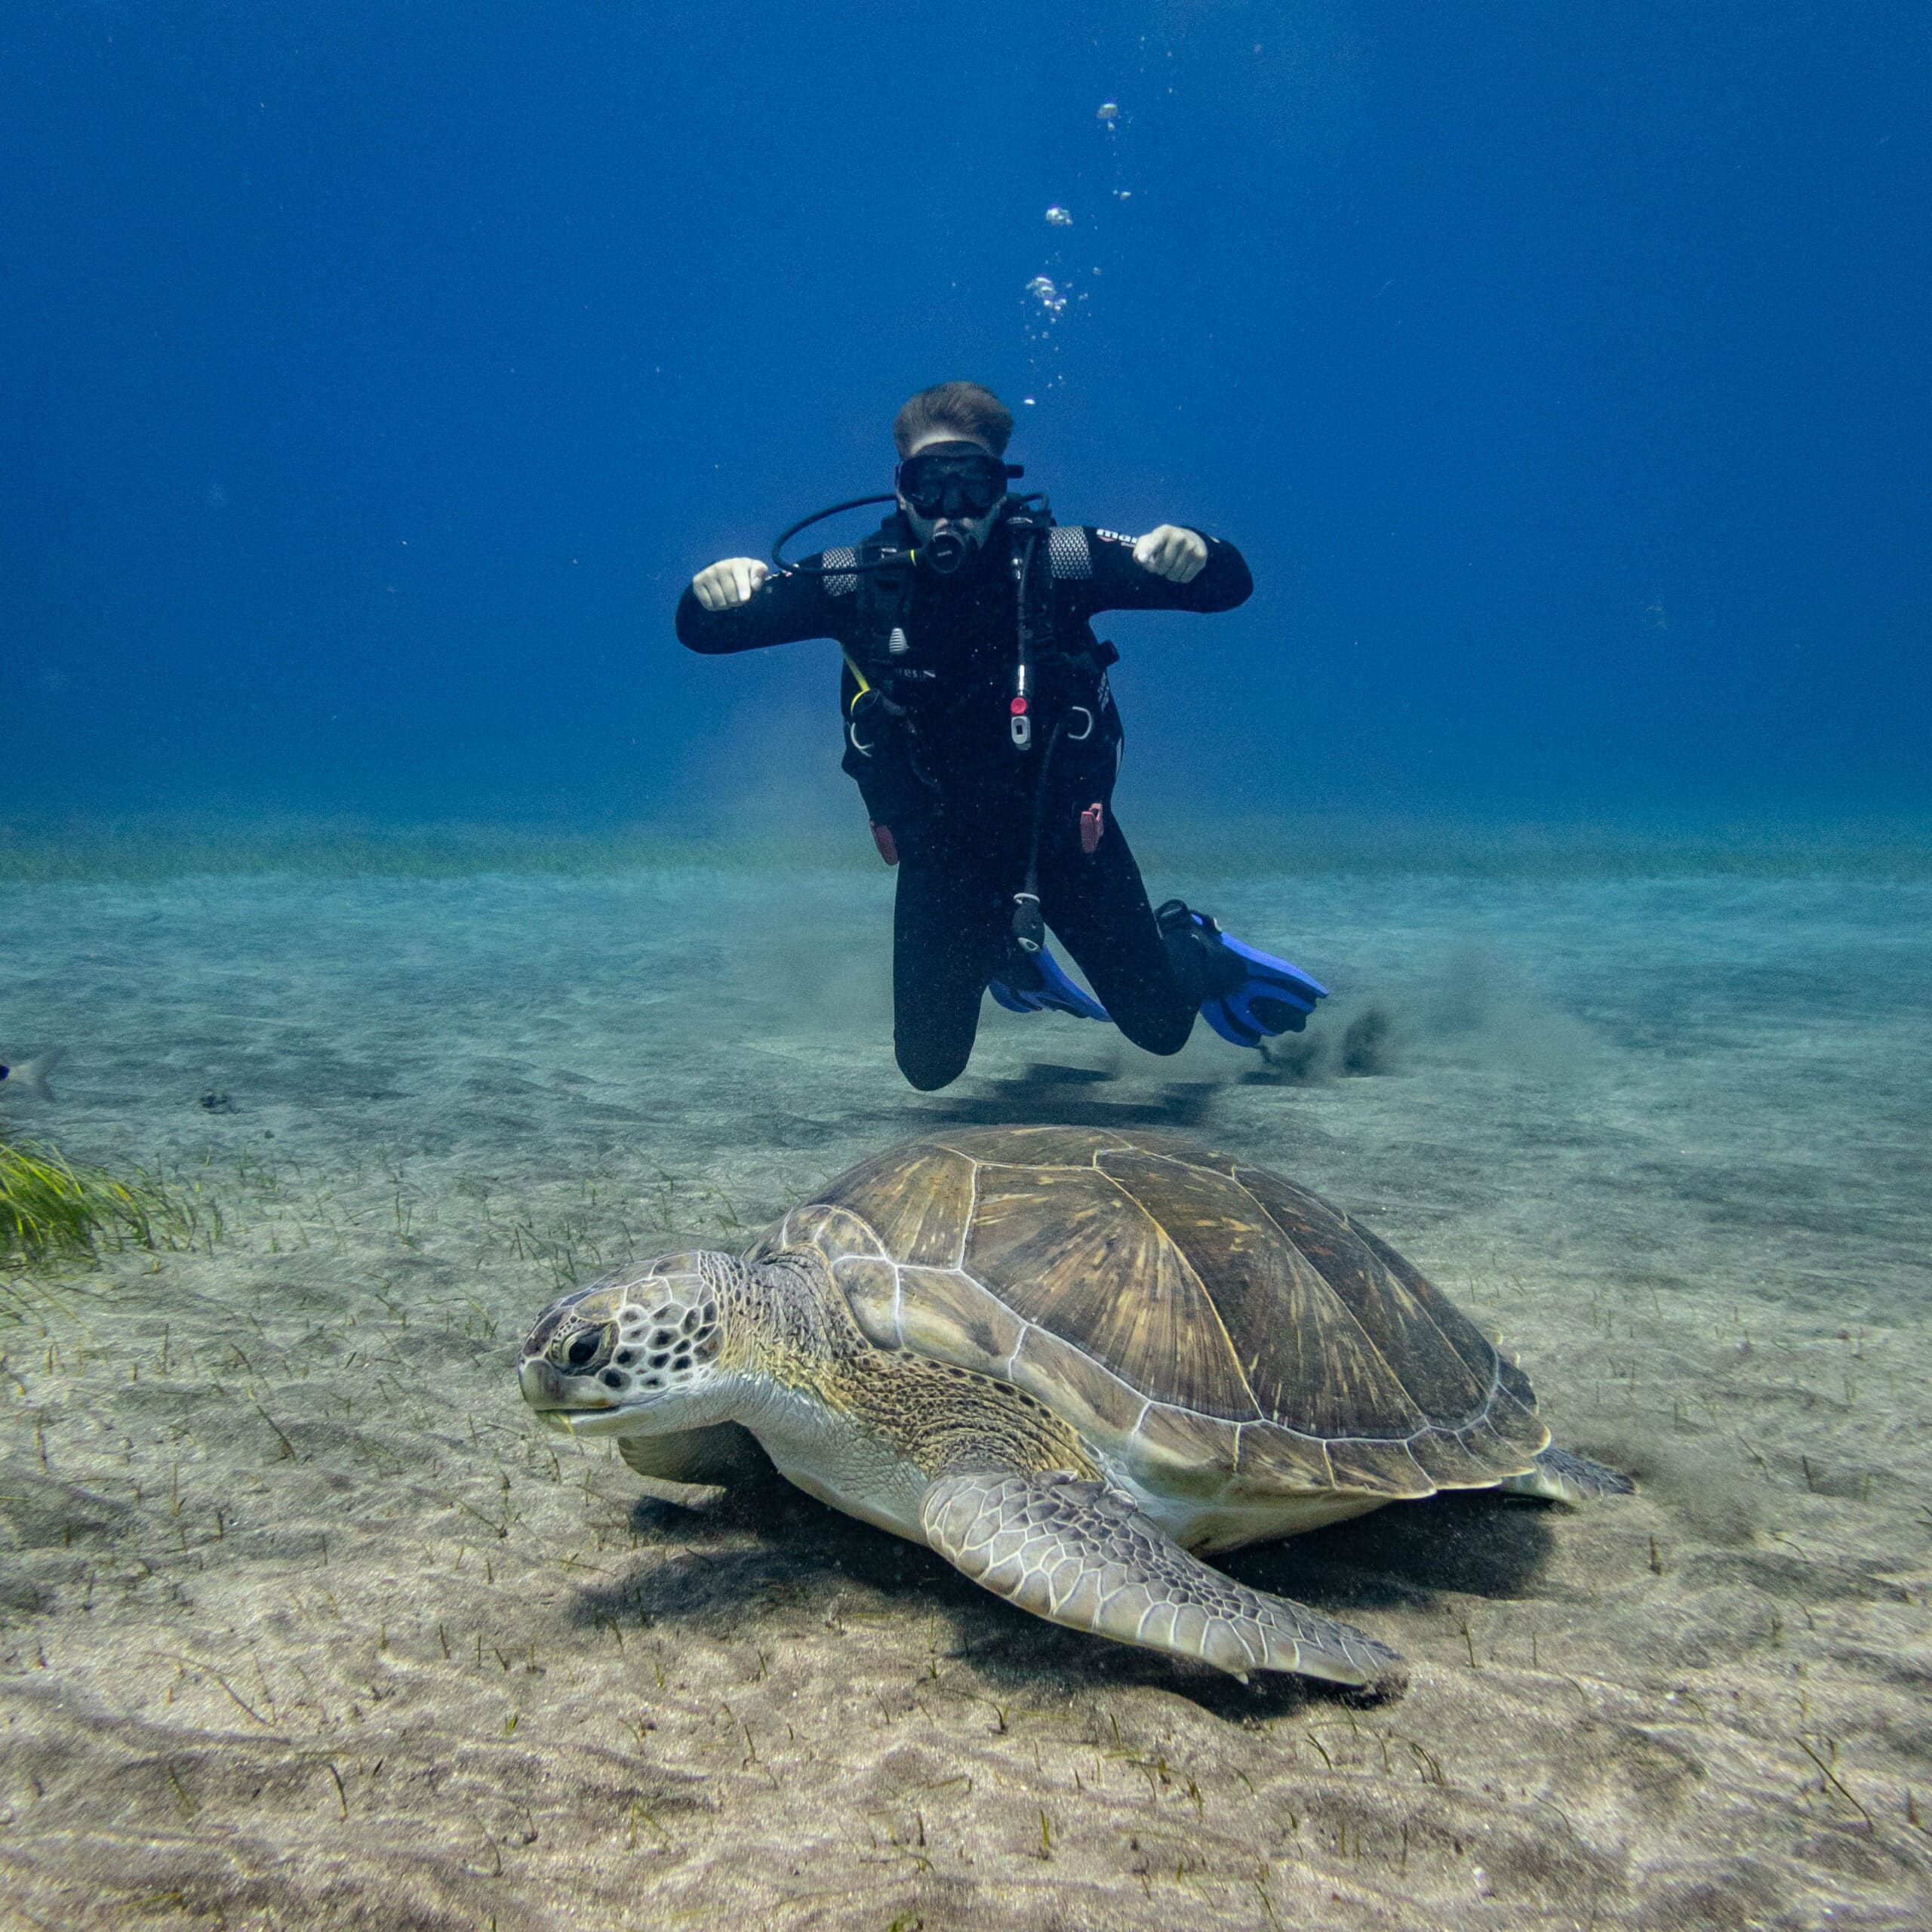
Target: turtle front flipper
<point x="1559" y="1475"/>
<point x="694" y="1467"/>
<point x="1078" y="1553"/>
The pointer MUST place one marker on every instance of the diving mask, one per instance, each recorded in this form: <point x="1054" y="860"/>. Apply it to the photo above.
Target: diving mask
<point x="958" y="480"/>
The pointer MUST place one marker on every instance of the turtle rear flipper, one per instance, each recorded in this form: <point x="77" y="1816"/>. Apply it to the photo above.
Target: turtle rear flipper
<point x="1559" y="1475"/>
<point x="1078" y="1553"/>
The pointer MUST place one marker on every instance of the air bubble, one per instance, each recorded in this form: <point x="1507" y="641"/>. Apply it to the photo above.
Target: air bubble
<point x="1059" y="218"/>
<point x="1045" y="291"/>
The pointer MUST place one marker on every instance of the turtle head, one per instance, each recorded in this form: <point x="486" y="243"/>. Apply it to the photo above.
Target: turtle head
<point x="636" y="1352"/>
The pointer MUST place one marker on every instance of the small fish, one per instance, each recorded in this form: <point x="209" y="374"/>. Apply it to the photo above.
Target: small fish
<point x="31" y="1074"/>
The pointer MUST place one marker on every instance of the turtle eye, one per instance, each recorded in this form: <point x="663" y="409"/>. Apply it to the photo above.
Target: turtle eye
<point x="586" y="1351"/>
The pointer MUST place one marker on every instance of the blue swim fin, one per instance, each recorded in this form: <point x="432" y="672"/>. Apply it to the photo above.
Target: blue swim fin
<point x="1033" y="982"/>
<point x="1249" y="995"/>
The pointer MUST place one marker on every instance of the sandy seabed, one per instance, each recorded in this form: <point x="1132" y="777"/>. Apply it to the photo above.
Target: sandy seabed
<point x="303" y="1623"/>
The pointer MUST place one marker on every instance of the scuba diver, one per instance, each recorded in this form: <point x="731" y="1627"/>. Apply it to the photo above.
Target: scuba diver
<point x="981" y="731"/>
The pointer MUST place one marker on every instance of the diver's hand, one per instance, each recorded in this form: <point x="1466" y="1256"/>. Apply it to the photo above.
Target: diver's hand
<point x="732" y="582"/>
<point x="1170" y="551"/>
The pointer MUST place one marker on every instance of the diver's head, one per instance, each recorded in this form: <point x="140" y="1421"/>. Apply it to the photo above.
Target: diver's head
<point x="952" y="477"/>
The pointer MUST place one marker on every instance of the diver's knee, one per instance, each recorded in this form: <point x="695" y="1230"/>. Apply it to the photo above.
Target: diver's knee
<point x="1163" y="1036"/>
<point x="929" y="1072"/>
<point x="1166" y="1045"/>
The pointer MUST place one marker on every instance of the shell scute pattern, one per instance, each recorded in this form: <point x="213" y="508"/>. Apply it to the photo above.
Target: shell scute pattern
<point x="1191" y="1454"/>
<point x="1387" y="1372"/>
<point x="1506" y="1433"/>
<point x="945" y="1312"/>
<point x="1175" y="1146"/>
<point x="1272" y="1458"/>
<point x="1477" y="1351"/>
<point x="1303" y="1354"/>
<point x="836" y="1232"/>
<point x="1449" y="1462"/>
<point x="1089" y="1395"/>
<point x="1058" y="1245"/>
<point x="1033" y="1147"/>
<point x="1378" y="1469"/>
<point x="871" y="1288"/>
<point x="917" y="1201"/>
<point x="1210" y="1320"/>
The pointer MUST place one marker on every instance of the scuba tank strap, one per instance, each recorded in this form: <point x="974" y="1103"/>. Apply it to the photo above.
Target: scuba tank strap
<point x="1029" y="926"/>
<point x="885" y="589"/>
<point x="879" y="753"/>
<point x="1029" y="564"/>
<point x="884" y="576"/>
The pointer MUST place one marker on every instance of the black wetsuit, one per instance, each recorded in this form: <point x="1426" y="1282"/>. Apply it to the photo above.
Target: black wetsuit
<point x="962" y="836"/>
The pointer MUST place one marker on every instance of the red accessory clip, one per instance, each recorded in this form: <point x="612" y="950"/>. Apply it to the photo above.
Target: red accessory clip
<point x="1092" y="824"/>
<point x="1018" y="707"/>
<point x="888" y="848"/>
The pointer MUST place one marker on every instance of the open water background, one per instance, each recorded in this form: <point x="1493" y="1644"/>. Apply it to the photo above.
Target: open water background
<point x="371" y="377"/>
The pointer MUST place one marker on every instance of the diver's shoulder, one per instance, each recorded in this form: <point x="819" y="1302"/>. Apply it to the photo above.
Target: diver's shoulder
<point x="836" y="570"/>
<point x="1074" y="548"/>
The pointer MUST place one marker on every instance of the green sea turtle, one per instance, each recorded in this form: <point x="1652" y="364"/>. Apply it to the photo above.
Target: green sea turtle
<point x="1064" y="1358"/>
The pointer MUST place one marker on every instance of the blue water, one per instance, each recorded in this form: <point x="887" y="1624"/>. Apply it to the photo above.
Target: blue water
<point x="373" y="376"/>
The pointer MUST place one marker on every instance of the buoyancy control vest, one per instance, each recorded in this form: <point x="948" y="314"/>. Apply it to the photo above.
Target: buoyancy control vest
<point x="1062" y="731"/>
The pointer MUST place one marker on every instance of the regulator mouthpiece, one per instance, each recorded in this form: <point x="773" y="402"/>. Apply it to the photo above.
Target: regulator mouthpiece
<point x="948" y="551"/>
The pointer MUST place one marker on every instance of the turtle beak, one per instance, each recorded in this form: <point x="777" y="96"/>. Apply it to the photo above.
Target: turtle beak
<point x="543" y="1386"/>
